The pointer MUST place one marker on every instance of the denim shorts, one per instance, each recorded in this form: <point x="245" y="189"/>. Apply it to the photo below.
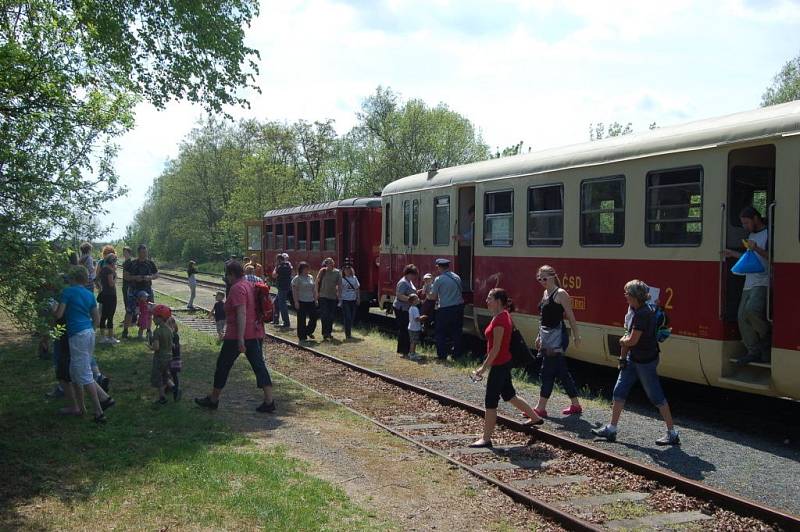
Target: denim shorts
<point x="646" y="373"/>
<point x="81" y="353"/>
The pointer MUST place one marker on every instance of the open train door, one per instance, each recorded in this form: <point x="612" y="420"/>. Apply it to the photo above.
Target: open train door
<point x="464" y="241"/>
<point x="751" y="182"/>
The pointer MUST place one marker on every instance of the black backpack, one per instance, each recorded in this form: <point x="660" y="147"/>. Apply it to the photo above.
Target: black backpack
<point x="521" y="356"/>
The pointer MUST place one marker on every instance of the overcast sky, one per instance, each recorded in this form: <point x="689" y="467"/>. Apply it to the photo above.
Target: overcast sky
<point x="538" y="71"/>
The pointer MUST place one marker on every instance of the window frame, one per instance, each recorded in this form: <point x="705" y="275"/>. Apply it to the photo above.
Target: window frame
<point x="487" y="216"/>
<point x="270" y="236"/>
<point x="305" y="231"/>
<point x="324" y="236"/>
<point x="415" y="222"/>
<point x="446" y="241"/>
<point x="647" y="206"/>
<point x="311" y="235"/>
<point x="293" y="236"/>
<point x="581" y="212"/>
<point x="279" y="236"/>
<point x="407" y="222"/>
<point x="528" y="213"/>
<point x="387" y="223"/>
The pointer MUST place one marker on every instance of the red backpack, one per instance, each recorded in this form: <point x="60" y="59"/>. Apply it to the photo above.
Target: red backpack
<point x="264" y="305"/>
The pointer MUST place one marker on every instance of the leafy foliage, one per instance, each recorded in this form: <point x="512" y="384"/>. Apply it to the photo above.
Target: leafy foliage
<point x="785" y="85"/>
<point x="226" y="174"/>
<point x="70" y="75"/>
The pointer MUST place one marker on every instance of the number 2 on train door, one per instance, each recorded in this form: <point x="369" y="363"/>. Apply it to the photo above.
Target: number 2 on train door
<point x="668" y="303"/>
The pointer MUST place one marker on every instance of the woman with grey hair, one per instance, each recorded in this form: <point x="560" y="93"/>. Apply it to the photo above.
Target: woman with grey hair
<point x="638" y="361"/>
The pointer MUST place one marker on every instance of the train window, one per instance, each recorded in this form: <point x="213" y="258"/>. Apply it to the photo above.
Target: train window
<point x="387" y="223"/>
<point x="546" y="215"/>
<point x="315" y="235"/>
<point x="278" y="236"/>
<point x="406" y="222"/>
<point x="290" y="240"/>
<point x="330" y="235"/>
<point x="674" y="208"/>
<point x="415" y="222"/>
<point x="441" y="221"/>
<point x="254" y="238"/>
<point x="270" y="238"/>
<point x="498" y="221"/>
<point x="302" y="236"/>
<point x="603" y="211"/>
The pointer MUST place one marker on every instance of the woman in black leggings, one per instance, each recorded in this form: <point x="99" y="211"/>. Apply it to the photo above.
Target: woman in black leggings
<point x="108" y="299"/>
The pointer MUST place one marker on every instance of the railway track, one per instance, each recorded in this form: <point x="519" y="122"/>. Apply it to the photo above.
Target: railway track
<point x="569" y="481"/>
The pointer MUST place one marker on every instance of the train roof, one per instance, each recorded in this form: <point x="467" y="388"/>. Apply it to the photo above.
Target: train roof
<point x="351" y="203"/>
<point x="760" y="123"/>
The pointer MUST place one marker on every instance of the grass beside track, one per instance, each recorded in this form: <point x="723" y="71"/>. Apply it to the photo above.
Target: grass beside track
<point x="149" y="467"/>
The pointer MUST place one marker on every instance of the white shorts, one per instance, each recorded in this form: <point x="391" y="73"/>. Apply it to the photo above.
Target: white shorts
<point x="81" y="352"/>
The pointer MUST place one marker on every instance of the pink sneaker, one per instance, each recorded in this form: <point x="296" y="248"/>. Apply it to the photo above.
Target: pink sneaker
<point x="572" y="410"/>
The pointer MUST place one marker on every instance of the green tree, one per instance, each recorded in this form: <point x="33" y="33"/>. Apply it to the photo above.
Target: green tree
<point x="615" y="129"/>
<point x="70" y="75"/>
<point x="785" y="85"/>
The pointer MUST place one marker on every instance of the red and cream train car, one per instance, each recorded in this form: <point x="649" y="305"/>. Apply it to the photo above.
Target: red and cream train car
<point x="346" y="230"/>
<point x="658" y="206"/>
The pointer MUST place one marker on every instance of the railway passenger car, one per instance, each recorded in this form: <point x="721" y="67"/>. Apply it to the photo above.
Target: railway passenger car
<point x="347" y="230"/>
<point x="658" y="206"/>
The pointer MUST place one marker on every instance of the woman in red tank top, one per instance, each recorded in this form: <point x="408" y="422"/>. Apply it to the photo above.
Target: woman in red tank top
<point x="498" y="358"/>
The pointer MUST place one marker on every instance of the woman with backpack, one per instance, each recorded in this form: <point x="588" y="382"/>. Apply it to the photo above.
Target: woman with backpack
<point x="638" y="362"/>
<point x="553" y="340"/>
<point x="499" y="362"/>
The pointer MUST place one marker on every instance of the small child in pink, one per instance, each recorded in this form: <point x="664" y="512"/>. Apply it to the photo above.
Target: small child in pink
<point x="145" y="316"/>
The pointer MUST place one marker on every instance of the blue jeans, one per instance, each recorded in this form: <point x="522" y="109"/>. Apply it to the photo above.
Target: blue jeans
<point x="348" y="316"/>
<point x="449" y="327"/>
<point x="647" y="374"/>
<point x="282" y="308"/>
<point x="556" y="366"/>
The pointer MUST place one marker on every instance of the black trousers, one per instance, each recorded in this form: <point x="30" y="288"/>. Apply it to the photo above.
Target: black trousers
<point x="306" y="319"/>
<point x="327" y="313"/>
<point x="403" y="341"/>
<point x="228" y="354"/>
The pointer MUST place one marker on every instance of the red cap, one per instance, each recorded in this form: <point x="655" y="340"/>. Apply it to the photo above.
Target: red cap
<point x="162" y="311"/>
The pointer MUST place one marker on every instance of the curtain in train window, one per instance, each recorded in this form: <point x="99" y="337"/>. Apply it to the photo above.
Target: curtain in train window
<point x="315" y="235"/>
<point x="498" y="221"/>
<point x="603" y="211"/>
<point x="546" y="215"/>
<point x="441" y="221"/>
<point x="290" y="240"/>
<point x="406" y="223"/>
<point x="675" y="207"/>
<point x="330" y="235"/>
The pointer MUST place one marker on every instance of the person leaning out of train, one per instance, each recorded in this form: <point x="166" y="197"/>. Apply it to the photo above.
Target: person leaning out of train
<point x="329" y="292"/>
<point x="638" y="361"/>
<point x="304" y="294"/>
<point x="555" y="305"/>
<point x="498" y="363"/>
<point x="752" y="314"/>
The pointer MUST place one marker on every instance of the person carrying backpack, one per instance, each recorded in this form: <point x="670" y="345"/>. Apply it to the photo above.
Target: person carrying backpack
<point x="639" y="355"/>
<point x="553" y="340"/>
<point x="499" y="362"/>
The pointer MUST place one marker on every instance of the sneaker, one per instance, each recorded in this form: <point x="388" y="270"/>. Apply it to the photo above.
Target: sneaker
<point x="113" y="341"/>
<point x="539" y="412"/>
<point x="206" y="402"/>
<point x="572" y="410"/>
<point x="671" y="438"/>
<point x="605" y="432"/>
<point x="266" y="408"/>
<point x="749" y="357"/>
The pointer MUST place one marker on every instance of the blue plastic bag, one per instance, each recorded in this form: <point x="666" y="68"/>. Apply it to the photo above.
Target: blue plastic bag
<point x="748" y="263"/>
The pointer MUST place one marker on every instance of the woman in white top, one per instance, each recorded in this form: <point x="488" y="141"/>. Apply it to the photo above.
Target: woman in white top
<point x="351" y="299"/>
<point x="304" y="294"/>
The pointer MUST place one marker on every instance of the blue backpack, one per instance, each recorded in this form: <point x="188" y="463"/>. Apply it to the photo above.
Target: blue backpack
<point x="663" y="330"/>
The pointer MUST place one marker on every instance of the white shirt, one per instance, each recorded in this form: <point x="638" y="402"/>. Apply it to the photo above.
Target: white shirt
<point x="413" y="319"/>
<point x="349" y="293"/>
<point x="752" y="280"/>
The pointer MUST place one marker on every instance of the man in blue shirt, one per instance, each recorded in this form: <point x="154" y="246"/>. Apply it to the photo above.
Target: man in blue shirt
<point x="449" y="323"/>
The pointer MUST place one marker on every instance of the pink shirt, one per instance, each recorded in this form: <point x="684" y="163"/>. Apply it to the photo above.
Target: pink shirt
<point x="242" y="293"/>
